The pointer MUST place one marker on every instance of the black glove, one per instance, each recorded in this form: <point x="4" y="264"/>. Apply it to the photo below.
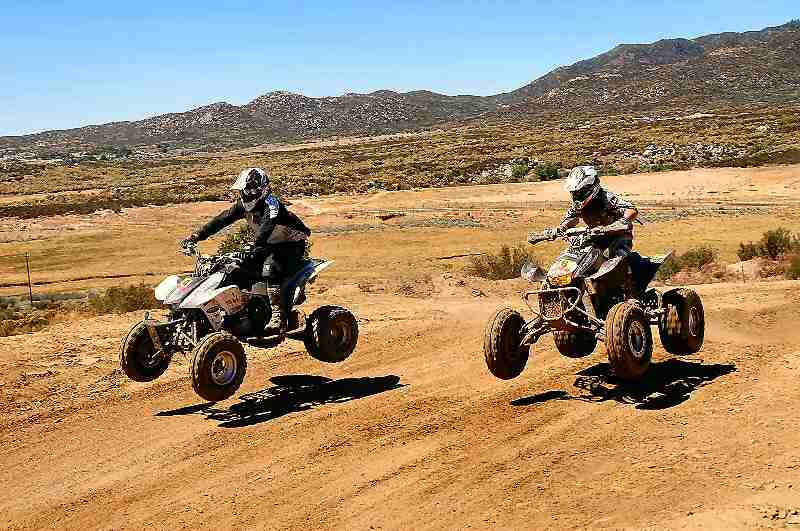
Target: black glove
<point x="553" y="233"/>
<point x="191" y="241"/>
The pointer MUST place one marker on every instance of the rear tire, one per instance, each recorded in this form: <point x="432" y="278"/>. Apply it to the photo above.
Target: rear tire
<point x="505" y="358"/>
<point x="574" y="344"/>
<point x="629" y="341"/>
<point x="136" y="356"/>
<point x="218" y="366"/>
<point x="331" y="334"/>
<point x="682" y="328"/>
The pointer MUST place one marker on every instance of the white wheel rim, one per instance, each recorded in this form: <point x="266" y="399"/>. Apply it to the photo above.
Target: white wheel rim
<point x="223" y="368"/>
<point x="637" y="339"/>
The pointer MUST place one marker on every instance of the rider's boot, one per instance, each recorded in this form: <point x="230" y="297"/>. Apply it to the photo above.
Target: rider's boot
<point x="277" y="321"/>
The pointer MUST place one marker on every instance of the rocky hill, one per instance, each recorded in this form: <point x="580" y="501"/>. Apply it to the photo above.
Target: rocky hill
<point x="726" y="68"/>
<point x="723" y="69"/>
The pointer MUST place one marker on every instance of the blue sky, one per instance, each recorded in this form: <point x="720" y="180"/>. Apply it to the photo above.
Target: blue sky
<point x="71" y="63"/>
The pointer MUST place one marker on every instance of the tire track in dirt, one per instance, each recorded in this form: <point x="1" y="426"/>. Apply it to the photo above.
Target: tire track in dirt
<point x="450" y="447"/>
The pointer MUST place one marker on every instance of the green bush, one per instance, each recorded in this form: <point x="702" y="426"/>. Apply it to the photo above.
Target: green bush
<point x="693" y="259"/>
<point x="235" y="240"/>
<point x="519" y="170"/>
<point x="748" y="251"/>
<point x="547" y="171"/>
<point x="123" y="300"/>
<point x="773" y="244"/>
<point x="504" y="264"/>
<point x="670" y="267"/>
<point x="776" y="243"/>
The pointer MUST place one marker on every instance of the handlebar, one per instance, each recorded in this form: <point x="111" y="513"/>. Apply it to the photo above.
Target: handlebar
<point x="589" y="233"/>
<point x="552" y="235"/>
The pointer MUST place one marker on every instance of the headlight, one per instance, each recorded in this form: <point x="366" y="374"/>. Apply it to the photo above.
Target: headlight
<point x="561" y="280"/>
<point x="532" y="273"/>
<point x="166" y="287"/>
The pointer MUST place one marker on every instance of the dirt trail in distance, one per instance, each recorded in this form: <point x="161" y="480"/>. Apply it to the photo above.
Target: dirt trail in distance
<point x="411" y="432"/>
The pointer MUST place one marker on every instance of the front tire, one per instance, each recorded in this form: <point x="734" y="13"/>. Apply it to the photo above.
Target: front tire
<point x="629" y="341"/>
<point x="683" y="326"/>
<point x="505" y="357"/>
<point x="138" y="358"/>
<point x="331" y="334"/>
<point x="218" y="366"/>
<point x="574" y="344"/>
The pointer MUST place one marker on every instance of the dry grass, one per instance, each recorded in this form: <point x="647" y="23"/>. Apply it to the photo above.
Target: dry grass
<point x="18" y="317"/>
<point x="448" y="158"/>
<point x="504" y="264"/>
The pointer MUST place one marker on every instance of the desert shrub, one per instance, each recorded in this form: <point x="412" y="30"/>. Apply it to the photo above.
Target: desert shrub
<point x="693" y="259"/>
<point x="123" y="300"/>
<point x="747" y="251"/>
<point x="793" y="268"/>
<point x="547" y="171"/>
<point x="24" y="323"/>
<point x="775" y="243"/>
<point x="519" y="170"/>
<point x="670" y="267"/>
<point x="235" y="240"/>
<point x="506" y="263"/>
<point x="609" y="170"/>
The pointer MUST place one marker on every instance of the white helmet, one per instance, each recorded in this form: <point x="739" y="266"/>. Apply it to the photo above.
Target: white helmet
<point x="252" y="184"/>
<point x="583" y="185"/>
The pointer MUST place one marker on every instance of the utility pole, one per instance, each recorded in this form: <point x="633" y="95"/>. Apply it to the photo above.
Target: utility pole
<point x="30" y="288"/>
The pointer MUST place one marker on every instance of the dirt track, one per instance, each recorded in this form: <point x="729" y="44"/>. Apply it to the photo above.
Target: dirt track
<point x="411" y="432"/>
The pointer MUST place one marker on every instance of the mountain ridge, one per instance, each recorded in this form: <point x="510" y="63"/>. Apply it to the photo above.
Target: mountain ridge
<point x="725" y="68"/>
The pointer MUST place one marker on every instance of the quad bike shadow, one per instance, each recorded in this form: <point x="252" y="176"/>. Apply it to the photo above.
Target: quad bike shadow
<point x="665" y="385"/>
<point x="289" y="394"/>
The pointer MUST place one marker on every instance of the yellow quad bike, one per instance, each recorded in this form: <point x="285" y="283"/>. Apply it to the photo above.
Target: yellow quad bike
<point x="586" y="296"/>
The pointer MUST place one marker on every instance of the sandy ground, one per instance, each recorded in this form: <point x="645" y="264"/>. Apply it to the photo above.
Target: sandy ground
<point x="411" y="432"/>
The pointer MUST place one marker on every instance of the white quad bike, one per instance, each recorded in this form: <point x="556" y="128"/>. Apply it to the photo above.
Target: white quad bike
<point x="212" y="318"/>
<point x="586" y="296"/>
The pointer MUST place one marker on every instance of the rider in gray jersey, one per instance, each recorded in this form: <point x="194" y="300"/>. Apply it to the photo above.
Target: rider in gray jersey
<point x="598" y="207"/>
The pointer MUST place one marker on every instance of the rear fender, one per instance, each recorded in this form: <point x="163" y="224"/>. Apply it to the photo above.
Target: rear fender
<point x="645" y="268"/>
<point x="294" y="288"/>
<point x="659" y="260"/>
<point x="670" y="295"/>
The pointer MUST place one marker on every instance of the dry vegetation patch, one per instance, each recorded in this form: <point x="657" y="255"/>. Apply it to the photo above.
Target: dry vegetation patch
<point x="473" y="154"/>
